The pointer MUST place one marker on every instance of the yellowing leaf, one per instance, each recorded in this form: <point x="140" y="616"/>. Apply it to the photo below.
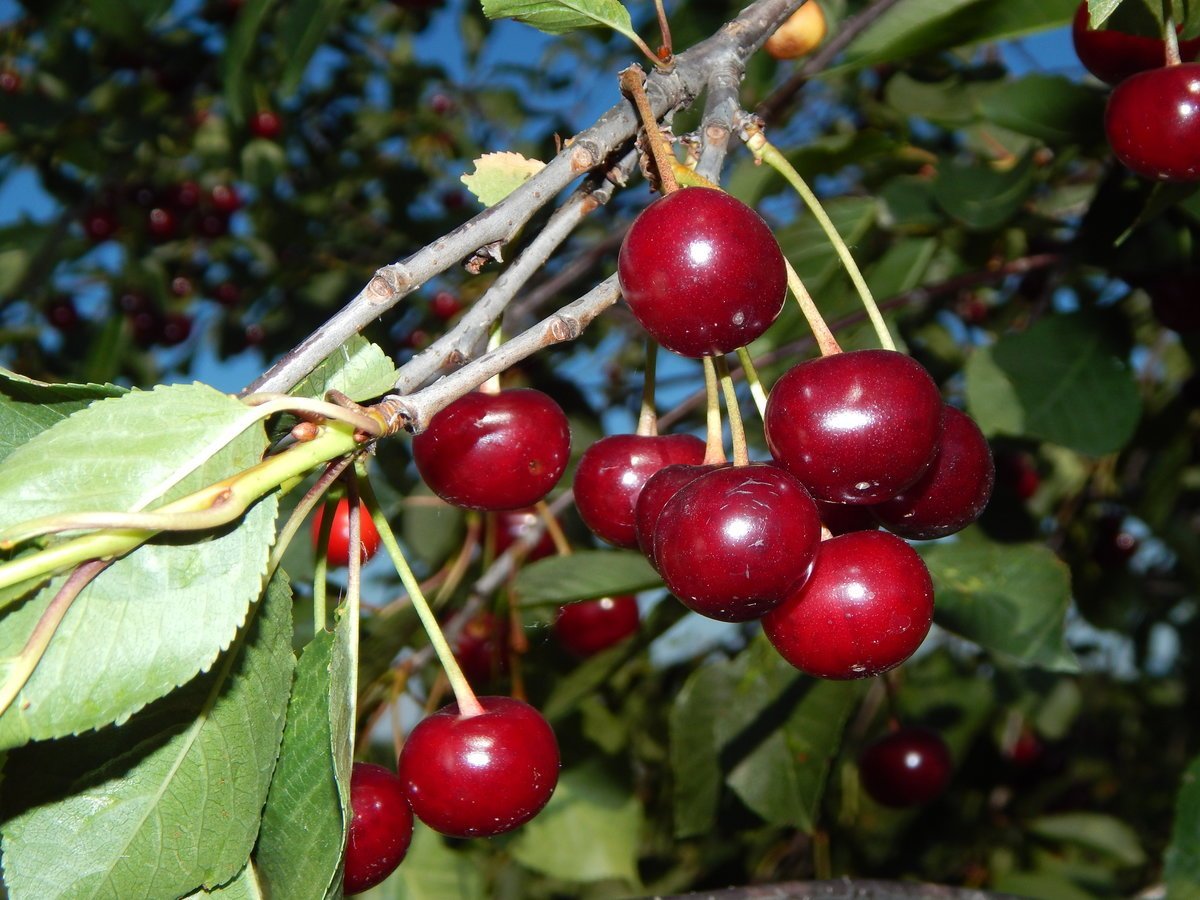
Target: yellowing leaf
<point x="497" y="175"/>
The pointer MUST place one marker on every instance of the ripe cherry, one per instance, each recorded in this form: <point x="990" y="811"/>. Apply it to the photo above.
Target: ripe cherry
<point x="1113" y="56"/>
<point x="800" y="33"/>
<point x="174" y="329"/>
<point x="225" y="198"/>
<point x="480" y="775"/>
<point x="1153" y="123"/>
<point x="381" y="826"/>
<point x="736" y="541"/>
<point x="445" y="305"/>
<point x="100" y="224"/>
<point x="184" y="197"/>
<point x="62" y="314"/>
<point x="865" y="609"/>
<point x="480" y="649"/>
<point x="702" y="272"/>
<point x="658" y="489"/>
<point x="513" y="524"/>
<point x="266" y="124"/>
<point x="856" y="427"/>
<point x="337" y="551"/>
<point x="909" y="767"/>
<point x="954" y="489"/>
<point x="590" y="626"/>
<point x="227" y="294"/>
<point x="494" y="451"/>
<point x="612" y="472"/>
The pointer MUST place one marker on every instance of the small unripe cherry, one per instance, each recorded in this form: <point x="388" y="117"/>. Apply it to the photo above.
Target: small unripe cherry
<point x="800" y="33"/>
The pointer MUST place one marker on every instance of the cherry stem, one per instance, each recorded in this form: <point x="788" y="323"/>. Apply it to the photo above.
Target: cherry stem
<point x="561" y="544"/>
<point x="648" y="416"/>
<point x="632" y="83"/>
<point x="767" y="152"/>
<point x="737" y="433"/>
<point x="1171" y="40"/>
<point x="714" y="447"/>
<point x="664" y="28"/>
<point x="321" y="567"/>
<point x="757" y="391"/>
<point x="468" y="703"/>
<point x="826" y="342"/>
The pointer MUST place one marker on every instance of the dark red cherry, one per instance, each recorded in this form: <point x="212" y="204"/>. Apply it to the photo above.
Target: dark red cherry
<point x="954" y="489"/>
<point x="612" y="472"/>
<point x="481" y="775"/>
<point x="1016" y="473"/>
<point x="227" y="294"/>
<point x="736" y="541"/>
<point x="184" y="196"/>
<point x="513" y="524"/>
<point x="1175" y="299"/>
<point x="589" y="626"/>
<point x="161" y="224"/>
<point x="100" y="224"/>
<point x="175" y="328"/>
<point x="856" y="427"/>
<point x="337" y="551"/>
<point x="1113" y="56"/>
<point x="1153" y="123"/>
<point x="266" y="124"/>
<point x="909" y="767"/>
<point x="225" y="198"/>
<point x="445" y="305"/>
<point x="10" y="81"/>
<point x="381" y="826"/>
<point x="702" y="272"/>
<point x="658" y="489"/>
<point x="213" y="224"/>
<point x="62" y="314"/>
<point x="494" y="451"/>
<point x="865" y="609"/>
<point x="481" y="649"/>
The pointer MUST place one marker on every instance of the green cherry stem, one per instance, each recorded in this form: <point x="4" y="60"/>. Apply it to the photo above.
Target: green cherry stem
<point x="648" y="416"/>
<point x="737" y="432"/>
<point x="714" y="447"/>
<point x="757" y="391"/>
<point x="1171" y="40"/>
<point x="468" y="703"/>
<point x="826" y="342"/>
<point x="767" y="152"/>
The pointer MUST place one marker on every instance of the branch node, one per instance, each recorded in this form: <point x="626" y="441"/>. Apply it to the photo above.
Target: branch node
<point x="562" y="328"/>
<point x="583" y="158"/>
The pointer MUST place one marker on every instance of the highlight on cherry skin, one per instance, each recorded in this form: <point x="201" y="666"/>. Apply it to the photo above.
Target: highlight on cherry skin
<point x="588" y="627"/>
<point x="911" y="766"/>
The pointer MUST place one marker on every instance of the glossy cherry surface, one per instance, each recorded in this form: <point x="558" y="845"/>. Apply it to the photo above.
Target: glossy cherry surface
<point x="494" y="451"/>
<point x="1153" y="123"/>
<point x="337" y="551"/>
<point x="866" y="607"/>
<point x="736" y="541"/>
<point x="513" y="524"/>
<point x="702" y="272"/>
<point x="481" y="775"/>
<point x="909" y="767"/>
<point x="1113" y="56"/>
<point x="480" y="649"/>
<point x="659" y="488"/>
<point x="954" y="489"/>
<point x="612" y="472"/>
<point x="381" y="826"/>
<point x="589" y="626"/>
<point x="855" y="427"/>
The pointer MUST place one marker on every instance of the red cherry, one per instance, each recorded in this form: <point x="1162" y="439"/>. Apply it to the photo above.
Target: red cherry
<point x="266" y="124"/>
<point x="865" y="609"/>
<point x="100" y="224"/>
<point x="147" y="327"/>
<point x="480" y="649"/>
<point x="227" y="294"/>
<point x="612" y="472"/>
<point x="1026" y="750"/>
<point x="442" y="104"/>
<point x="736" y="541"/>
<point x="480" y="775"/>
<point x="494" y="451"/>
<point x="184" y="196"/>
<point x="445" y="305"/>
<point x="213" y="224"/>
<point x="954" y="489"/>
<point x="660" y="488"/>
<point x="175" y="328"/>
<point x="225" y="198"/>
<point x="512" y="524"/>
<point x="855" y="427"/>
<point x="908" y="767"/>
<point x="10" y="81"/>
<point x="702" y="272"/>
<point x="381" y="826"/>
<point x="1153" y="123"/>
<point x="1113" y="56"/>
<point x="62" y="314"/>
<point x="337" y="551"/>
<point x="589" y="626"/>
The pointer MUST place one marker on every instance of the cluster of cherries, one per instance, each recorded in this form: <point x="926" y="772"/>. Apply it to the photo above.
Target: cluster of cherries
<point x="1153" y="115"/>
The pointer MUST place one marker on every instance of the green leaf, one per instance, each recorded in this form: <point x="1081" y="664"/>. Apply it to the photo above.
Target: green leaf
<point x="432" y="871"/>
<point x="1061" y="381"/>
<point x="585" y="575"/>
<point x="358" y="368"/>
<point x="1010" y="599"/>
<point x="245" y="886"/>
<point x="696" y="782"/>
<point x="28" y="407"/>
<point x="306" y="818"/>
<point x="430" y="527"/>
<point x="1182" y="861"/>
<point x="305" y="25"/>
<point x="497" y="175"/>
<point x="1103" y="834"/>
<point x="561" y="16"/>
<point x="980" y="196"/>
<point x="180" y="807"/>
<point x="1050" y="108"/>
<point x="589" y="831"/>
<point x="239" y="48"/>
<point x="808" y="249"/>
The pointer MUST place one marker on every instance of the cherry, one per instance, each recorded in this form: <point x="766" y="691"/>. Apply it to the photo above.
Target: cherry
<point x="337" y="551"/>
<point x="10" y="81"/>
<point x="184" y="196"/>
<point x="381" y="826"/>
<point x="181" y="286"/>
<point x="445" y="305"/>
<point x="658" y="489"/>
<point x="1016" y="472"/>
<point x="227" y="294"/>
<point x="865" y="609"/>
<point x="480" y="775"/>
<point x="909" y="767"/>
<point x="62" y="314"/>
<point x="213" y="224"/>
<point x="612" y="472"/>
<point x="1153" y="123"/>
<point x="266" y="124"/>
<point x="175" y="328"/>
<point x="225" y="198"/>
<point x="856" y="427"/>
<point x="512" y="524"/>
<point x="1113" y="56"/>
<point x="1026" y="750"/>
<point x="702" y="272"/>
<point x="589" y="626"/>
<point x="1175" y="299"/>
<point x="442" y="104"/>
<point x="954" y="489"/>
<point x="480" y="648"/>
<point x="494" y="451"/>
<point x="100" y="224"/>
<point x="736" y="541"/>
<point x="147" y="327"/>
<point x="799" y="34"/>
<point x="1112" y="544"/>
